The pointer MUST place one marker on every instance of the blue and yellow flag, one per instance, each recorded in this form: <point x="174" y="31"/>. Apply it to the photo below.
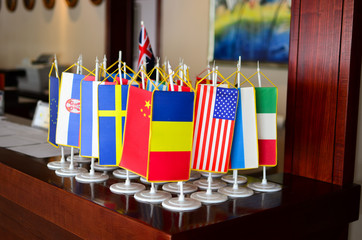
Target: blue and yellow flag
<point x="112" y="105"/>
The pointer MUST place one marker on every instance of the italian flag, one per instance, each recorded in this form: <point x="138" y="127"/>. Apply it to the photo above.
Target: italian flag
<point x="266" y="112"/>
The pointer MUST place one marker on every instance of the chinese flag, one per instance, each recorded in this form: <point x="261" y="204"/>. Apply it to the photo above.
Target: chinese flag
<point x="137" y="131"/>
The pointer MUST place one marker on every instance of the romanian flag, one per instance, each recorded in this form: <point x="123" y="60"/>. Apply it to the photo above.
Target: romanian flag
<point x="69" y="110"/>
<point x="112" y="105"/>
<point x="137" y="131"/>
<point x="53" y="109"/>
<point x="266" y="108"/>
<point x="215" y="111"/>
<point x="244" y="150"/>
<point x="171" y="136"/>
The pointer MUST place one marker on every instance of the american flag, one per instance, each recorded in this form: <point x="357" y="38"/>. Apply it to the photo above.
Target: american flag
<point x="214" y="127"/>
<point x="145" y="51"/>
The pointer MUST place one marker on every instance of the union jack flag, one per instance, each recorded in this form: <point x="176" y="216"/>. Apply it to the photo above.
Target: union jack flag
<point x="145" y="51"/>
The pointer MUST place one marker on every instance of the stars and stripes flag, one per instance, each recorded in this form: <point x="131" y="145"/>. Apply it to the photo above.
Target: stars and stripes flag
<point x="53" y="109"/>
<point x="145" y="51"/>
<point x="214" y="126"/>
<point x="244" y="150"/>
<point x="266" y="109"/>
<point x="68" y="124"/>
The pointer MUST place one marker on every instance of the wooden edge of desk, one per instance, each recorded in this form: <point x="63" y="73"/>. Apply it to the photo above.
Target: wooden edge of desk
<point x="76" y="215"/>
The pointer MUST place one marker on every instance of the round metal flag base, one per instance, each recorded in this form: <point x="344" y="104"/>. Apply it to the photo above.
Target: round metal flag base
<point x="144" y="180"/>
<point x="187" y="204"/>
<point x="204" y="184"/>
<point x="91" y="178"/>
<point x="205" y="197"/>
<point x="122" y="174"/>
<point x="264" y="187"/>
<point x="79" y="159"/>
<point x="104" y="168"/>
<point x="67" y="172"/>
<point x="57" y="165"/>
<point x="213" y="175"/>
<point x="194" y="175"/>
<point x="175" y="187"/>
<point x="230" y="179"/>
<point x="236" y="193"/>
<point x="123" y="188"/>
<point x="152" y="197"/>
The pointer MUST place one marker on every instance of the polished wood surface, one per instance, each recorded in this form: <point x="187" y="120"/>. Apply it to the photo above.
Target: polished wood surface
<point x="304" y="209"/>
<point x="323" y="89"/>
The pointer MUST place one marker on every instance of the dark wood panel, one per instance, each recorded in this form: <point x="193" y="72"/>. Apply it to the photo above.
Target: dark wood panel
<point x="316" y="91"/>
<point x="348" y="93"/>
<point x="323" y="89"/>
<point x="19" y="223"/>
<point x="292" y="81"/>
<point x="119" y="30"/>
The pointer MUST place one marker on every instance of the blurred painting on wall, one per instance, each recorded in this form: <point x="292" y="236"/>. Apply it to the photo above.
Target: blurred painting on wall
<point x="256" y="30"/>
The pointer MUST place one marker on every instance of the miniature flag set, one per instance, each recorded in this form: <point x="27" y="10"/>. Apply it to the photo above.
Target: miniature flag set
<point x="154" y="124"/>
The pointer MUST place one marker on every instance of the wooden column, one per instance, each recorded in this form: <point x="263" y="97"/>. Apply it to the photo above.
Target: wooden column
<point x="119" y="30"/>
<point x="323" y="89"/>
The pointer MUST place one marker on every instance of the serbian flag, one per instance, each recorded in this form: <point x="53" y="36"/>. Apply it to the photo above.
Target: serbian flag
<point x="151" y="87"/>
<point x="112" y="105"/>
<point x="244" y="149"/>
<point x="69" y="110"/>
<point x="171" y="136"/>
<point x="137" y="131"/>
<point x="145" y="51"/>
<point x="53" y="109"/>
<point x="266" y="108"/>
<point x="214" y="126"/>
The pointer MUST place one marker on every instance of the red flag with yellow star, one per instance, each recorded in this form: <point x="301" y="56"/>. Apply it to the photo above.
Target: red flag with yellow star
<point x="137" y="131"/>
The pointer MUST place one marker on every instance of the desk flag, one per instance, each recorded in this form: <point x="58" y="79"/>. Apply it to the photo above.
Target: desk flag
<point x="145" y="51"/>
<point x="266" y="108"/>
<point x="161" y="86"/>
<point x="244" y="150"/>
<point x="171" y="136"/>
<point x="214" y="126"/>
<point x="137" y="131"/>
<point x="53" y="109"/>
<point x="69" y="109"/>
<point x="112" y="105"/>
<point x="89" y="119"/>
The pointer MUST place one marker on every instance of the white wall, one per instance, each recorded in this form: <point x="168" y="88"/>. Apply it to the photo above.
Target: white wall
<point x="64" y="31"/>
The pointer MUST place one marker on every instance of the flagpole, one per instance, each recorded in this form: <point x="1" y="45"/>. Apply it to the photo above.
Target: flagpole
<point x="157" y="71"/>
<point x="62" y="159"/>
<point x="124" y="71"/>
<point x="104" y="65"/>
<point x="264" y="181"/>
<point x="120" y="67"/>
<point x="235" y="172"/>
<point x="170" y="72"/>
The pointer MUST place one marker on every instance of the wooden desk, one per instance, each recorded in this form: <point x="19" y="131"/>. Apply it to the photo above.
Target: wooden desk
<point x="37" y="204"/>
